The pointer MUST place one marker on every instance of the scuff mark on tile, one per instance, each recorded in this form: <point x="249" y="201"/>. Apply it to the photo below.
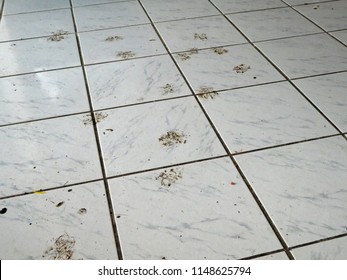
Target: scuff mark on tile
<point x="62" y="248"/>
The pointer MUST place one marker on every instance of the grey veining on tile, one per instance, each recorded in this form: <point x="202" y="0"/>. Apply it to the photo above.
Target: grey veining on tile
<point x="272" y="24"/>
<point x="25" y="6"/>
<point x="209" y="69"/>
<point x="46" y="154"/>
<point x="37" y="55"/>
<point x="184" y="34"/>
<point x="302" y="187"/>
<point x="172" y="10"/>
<point x="207" y="213"/>
<point x="109" y="15"/>
<point x="135" y="81"/>
<point x="22" y="26"/>
<point x="278" y="256"/>
<point x="328" y="92"/>
<point x="329" y="15"/>
<point x="42" y="95"/>
<point x="341" y="35"/>
<point x="335" y="249"/>
<point x="156" y="134"/>
<point x="264" y="116"/>
<point x="308" y="55"/>
<point x="76" y="3"/>
<point x="237" y="6"/>
<point x="127" y="42"/>
<point x="58" y="224"/>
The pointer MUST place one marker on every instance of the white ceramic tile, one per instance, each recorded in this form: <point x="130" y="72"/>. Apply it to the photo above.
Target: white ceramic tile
<point x="76" y="3"/>
<point x="213" y="31"/>
<point x="300" y="2"/>
<point x="130" y="42"/>
<point x="47" y="154"/>
<point x="37" y="55"/>
<point x="263" y="116"/>
<point x="302" y="187"/>
<point x="341" y="35"/>
<point x="109" y="15"/>
<point x="41" y="95"/>
<point x="24" y="6"/>
<point x="207" y="213"/>
<point x="209" y="69"/>
<point x="273" y="257"/>
<point x="36" y="24"/>
<point x="133" y="138"/>
<point x="307" y="55"/>
<point x="135" y="81"/>
<point x="272" y="24"/>
<point x="328" y="92"/>
<point x="236" y="6"/>
<point x="335" y="249"/>
<point x="58" y="224"/>
<point x="328" y="15"/>
<point x="171" y="10"/>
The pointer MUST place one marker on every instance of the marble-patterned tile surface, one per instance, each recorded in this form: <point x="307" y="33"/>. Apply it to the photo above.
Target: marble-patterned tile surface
<point x="263" y="116"/>
<point x="237" y="6"/>
<point x="19" y="57"/>
<point x="46" y="154"/>
<point x="109" y="15"/>
<point x="302" y="187"/>
<point x="273" y="257"/>
<point x="42" y="95"/>
<point x="156" y="134"/>
<point x="120" y="44"/>
<point x="335" y="249"/>
<point x="135" y="81"/>
<point x="341" y="35"/>
<point x="25" y="6"/>
<point x="172" y="10"/>
<point x="272" y="24"/>
<point x="12" y="27"/>
<point x="307" y="55"/>
<point x="199" y="33"/>
<point x="227" y="67"/>
<point x="197" y="211"/>
<point x="329" y="15"/>
<point x="301" y="2"/>
<point x="76" y="3"/>
<point x="58" y="224"/>
<point x="328" y="92"/>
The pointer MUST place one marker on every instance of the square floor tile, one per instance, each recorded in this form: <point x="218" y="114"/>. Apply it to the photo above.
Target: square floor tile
<point x="20" y="57"/>
<point x="36" y="24"/>
<point x="302" y="187"/>
<point x="58" y="224"/>
<point x="46" y="154"/>
<point x="199" y="33"/>
<point x="196" y="211"/>
<point x="341" y="35"/>
<point x="329" y="15"/>
<point x="236" y="6"/>
<point x="120" y="44"/>
<point x="25" y="6"/>
<point x="272" y="24"/>
<point x="216" y="68"/>
<point x="278" y="256"/>
<point x="42" y="95"/>
<point x="264" y="116"/>
<point x="328" y="92"/>
<point x="335" y="249"/>
<point x="300" y="2"/>
<point x="135" y="81"/>
<point x="308" y="55"/>
<point x="109" y="15"/>
<point x="156" y="134"/>
<point x="171" y="10"/>
<point x="92" y="2"/>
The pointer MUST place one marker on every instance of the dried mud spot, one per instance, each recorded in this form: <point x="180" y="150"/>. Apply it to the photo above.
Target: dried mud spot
<point x="99" y="116"/>
<point x="82" y="211"/>
<point x="62" y="248"/>
<point x="173" y="137"/>
<point x="187" y="55"/>
<point x="126" y="55"/>
<point x="57" y="36"/>
<point x="219" y="51"/>
<point x="168" y="88"/>
<point x="242" y="68"/>
<point x="201" y="36"/>
<point x="169" y="177"/>
<point x="113" y="38"/>
<point x="206" y="93"/>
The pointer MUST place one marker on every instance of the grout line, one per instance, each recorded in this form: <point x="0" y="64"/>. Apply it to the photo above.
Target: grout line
<point x="103" y="168"/>
<point x="263" y="254"/>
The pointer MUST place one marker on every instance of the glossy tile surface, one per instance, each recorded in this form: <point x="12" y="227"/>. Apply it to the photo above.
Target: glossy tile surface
<point x="341" y="35"/>
<point x="58" y="224"/>
<point x="273" y="257"/>
<point x="25" y="6"/>
<point x="198" y="216"/>
<point x="76" y="3"/>
<point x="237" y="6"/>
<point x="302" y="187"/>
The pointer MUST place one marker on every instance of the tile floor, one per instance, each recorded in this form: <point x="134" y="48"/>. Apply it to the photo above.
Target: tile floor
<point x="159" y="129"/>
